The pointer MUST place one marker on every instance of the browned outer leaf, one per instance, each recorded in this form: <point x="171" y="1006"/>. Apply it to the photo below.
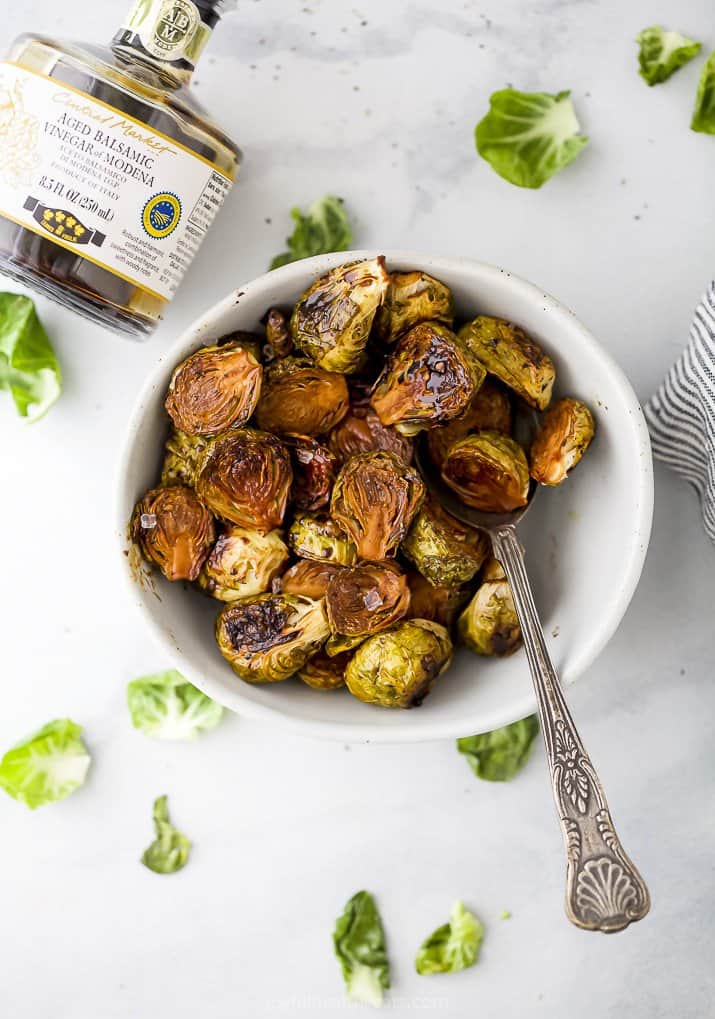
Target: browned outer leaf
<point x="215" y="389"/>
<point x="173" y="530"/>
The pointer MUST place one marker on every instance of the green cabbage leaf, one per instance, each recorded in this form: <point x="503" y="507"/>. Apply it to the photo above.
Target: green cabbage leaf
<point x="453" y="946"/>
<point x="662" y="52"/>
<point x="166" y="706"/>
<point x="170" y="849"/>
<point x="323" y="228"/>
<point x="29" y="370"/>
<point x="359" y="942"/>
<point x="497" y="756"/>
<point x="47" y="766"/>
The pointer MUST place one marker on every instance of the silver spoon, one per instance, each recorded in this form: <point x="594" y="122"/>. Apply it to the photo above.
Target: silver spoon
<point x="604" y="891"/>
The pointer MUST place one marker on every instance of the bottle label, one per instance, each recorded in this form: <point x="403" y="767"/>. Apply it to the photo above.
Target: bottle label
<point x="98" y="182"/>
<point x="169" y="29"/>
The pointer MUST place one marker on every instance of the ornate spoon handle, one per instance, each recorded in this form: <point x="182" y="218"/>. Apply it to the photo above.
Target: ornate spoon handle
<point x="604" y="891"/>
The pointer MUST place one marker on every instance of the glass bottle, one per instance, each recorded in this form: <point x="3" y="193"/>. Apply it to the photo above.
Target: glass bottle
<point x="110" y="171"/>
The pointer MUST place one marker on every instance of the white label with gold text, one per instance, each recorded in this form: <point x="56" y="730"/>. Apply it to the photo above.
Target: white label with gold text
<point x="100" y="183"/>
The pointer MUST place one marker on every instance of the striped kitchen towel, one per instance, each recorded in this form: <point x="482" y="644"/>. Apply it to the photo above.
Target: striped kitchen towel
<point x="681" y="415"/>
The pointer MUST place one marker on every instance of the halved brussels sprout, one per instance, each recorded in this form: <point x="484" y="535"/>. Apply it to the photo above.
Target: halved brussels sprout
<point x="397" y="668"/>
<point x="563" y="437"/>
<point x="361" y="430"/>
<point x="374" y="500"/>
<point x="429" y="378"/>
<point x="367" y="598"/>
<point x="412" y="297"/>
<point x="215" y="389"/>
<point x="320" y="537"/>
<point x="492" y="570"/>
<point x="271" y="636"/>
<point x="182" y="458"/>
<point x="488" y="471"/>
<point x="278" y="338"/>
<point x="437" y="603"/>
<point x="298" y="397"/>
<point x="173" y="530"/>
<point x="243" y="563"/>
<point x="338" y="644"/>
<point x="309" y="577"/>
<point x="245" y="476"/>
<point x="332" y="320"/>
<point x="490" y="410"/>
<point x="507" y="352"/>
<point x="313" y="472"/>
<point x="323" y="672"/>
<point x="489" y="625"/>
<point x="444" y="550"/>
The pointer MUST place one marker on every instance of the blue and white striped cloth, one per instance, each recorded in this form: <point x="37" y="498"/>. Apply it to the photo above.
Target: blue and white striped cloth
<point x="681" y="415"/>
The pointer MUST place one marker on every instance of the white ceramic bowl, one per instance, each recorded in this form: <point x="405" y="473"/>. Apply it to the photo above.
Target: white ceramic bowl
<point x="585" y="542"/>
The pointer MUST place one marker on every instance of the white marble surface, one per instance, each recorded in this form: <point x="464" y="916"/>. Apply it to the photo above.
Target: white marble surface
<point x="376" y="102"/>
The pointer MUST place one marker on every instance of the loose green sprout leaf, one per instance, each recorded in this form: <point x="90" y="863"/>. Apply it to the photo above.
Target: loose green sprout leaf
<point x="528" y="136"/>
<point x="505" y="915"/>
<point x="359" y="942"/>
<point x="167" y="706"/>
<point x="497" y="756"/>
<point x="28" y="366"/>
<point x="453" y="946"/>
<point x="169" y="851"/>
<point x="704" y="112"/>
<point x="47" y="766"/>
<point x="662" y="53"/>
<point x="323" y="228"/>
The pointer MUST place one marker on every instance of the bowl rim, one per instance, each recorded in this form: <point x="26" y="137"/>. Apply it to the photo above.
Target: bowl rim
<point x="385" y="733"/>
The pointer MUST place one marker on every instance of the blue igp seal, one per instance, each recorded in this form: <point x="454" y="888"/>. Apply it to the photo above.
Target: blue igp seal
<point x="161" y="215"/>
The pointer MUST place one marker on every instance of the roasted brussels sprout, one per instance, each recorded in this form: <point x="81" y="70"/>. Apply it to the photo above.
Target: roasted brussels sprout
<point x="173" y="530"/>
<point x="313" y="472"/>
<point x="298" y="397"/>
<point x="245" y="477"/>
<point x="374" y="500"/>
<point x="320" y="537"/>
<point x="271" y="636"/>
<point x="332" y="320"/>
<point x="488" y="471"/>
<point x="182" y="458"/>
<point x="309" y="577"/>
<point x="243" y="563"/>
<point x="361" y="431"/>
<point x="507" y="352"/>
<point x="338" y="644"/>
<point x="429" y="378"/>
<point x="249" y="341"/>
<point x="444" y="550"/>
<point x="490" y="409"/>
<point x="437" y="603"/>
<point x="412" y="297"/>
<point x="323" y="672"/>
<point x="492" y="570"/>
<point x="489" y="625"/>
<point x="278" y="338"/>
<point x="397" y="668"/>
<point x="215" y="389"/>
<point x="564" y="436"/>
<point x="367" y="598"/>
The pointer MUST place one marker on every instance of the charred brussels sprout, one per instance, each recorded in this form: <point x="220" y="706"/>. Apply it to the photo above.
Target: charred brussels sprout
<point x="249" y="341"/>
<point x="367" y="598"/>
<point x="182" y="458"/>
<point x="245" y="477"/>
<point x="278" y="338"/>
<point x="309" y="577"/>
<point x="490" y="410"/>
<point x="271" y="636"/>
<point x="507" y="352"/>
<point x="215" y="389"/>
<point x="173" y="530"/>
<point x="323" y="672"/>
<point x="300" y="398"/>
<point x="412" y="297"/>
<point x="361" y="431"/>
<point x="489" y="625"/>
<point x="374" y="500"/>
<point x="564" y="436"/>
<point x="435" y="602"/>
<point x="243" y="563"/>
<point x="319" y="537"/>
<point x="313" y="472"/>
<point x="397" y="668"/>
<point x="444" y="550"/>
<point x="332" y="320"/>
<point x="488" y="471"/>
<point x="429" y="378"/>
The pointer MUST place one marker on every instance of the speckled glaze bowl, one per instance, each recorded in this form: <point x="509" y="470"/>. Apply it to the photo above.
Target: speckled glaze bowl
<point x="585" y="542"/>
